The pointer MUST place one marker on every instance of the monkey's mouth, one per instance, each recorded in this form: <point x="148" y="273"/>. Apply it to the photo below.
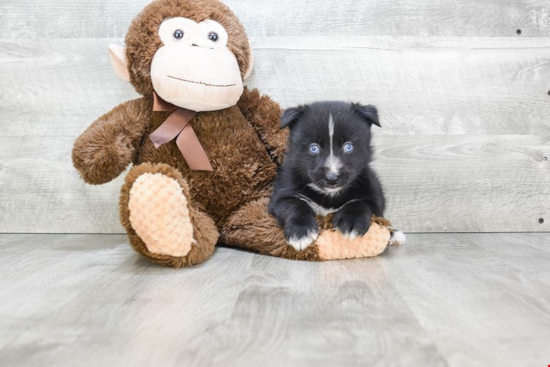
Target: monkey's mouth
<point x="202" y="83"/>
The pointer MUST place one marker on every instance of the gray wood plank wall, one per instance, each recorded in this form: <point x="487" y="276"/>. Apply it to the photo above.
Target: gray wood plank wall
<point x="464" y="101"/>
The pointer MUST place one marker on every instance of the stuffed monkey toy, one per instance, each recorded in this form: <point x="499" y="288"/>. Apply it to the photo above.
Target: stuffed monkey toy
<point x="204" y="148"/>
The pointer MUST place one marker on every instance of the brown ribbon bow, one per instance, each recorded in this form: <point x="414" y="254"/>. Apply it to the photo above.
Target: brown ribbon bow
<point x="178" y="126"/>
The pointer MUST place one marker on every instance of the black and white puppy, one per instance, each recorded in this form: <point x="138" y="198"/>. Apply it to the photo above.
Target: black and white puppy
<point x="326" y="170"/>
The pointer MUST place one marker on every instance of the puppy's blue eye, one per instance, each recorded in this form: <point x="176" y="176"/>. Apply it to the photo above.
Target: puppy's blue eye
<point x="314" y="149"/>
<point x="348" y="148"/>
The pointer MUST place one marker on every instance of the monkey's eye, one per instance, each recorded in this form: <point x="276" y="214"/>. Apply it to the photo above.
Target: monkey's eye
<point x="348" y="147"/>
<point x="314" y="149"/>
<point x="178" y="34"/>
<point x="213" y="36"/>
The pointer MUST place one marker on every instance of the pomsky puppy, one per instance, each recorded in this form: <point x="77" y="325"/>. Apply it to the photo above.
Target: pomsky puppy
<point x="326" y="170"/>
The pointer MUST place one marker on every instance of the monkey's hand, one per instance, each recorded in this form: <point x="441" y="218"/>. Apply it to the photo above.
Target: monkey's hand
<point x="110" y="144"/>
<point x="264" y="115"/>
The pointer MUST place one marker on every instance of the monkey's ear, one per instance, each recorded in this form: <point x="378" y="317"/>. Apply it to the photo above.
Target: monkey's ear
<point x="250" y="62"/>
<point x="118" y="61"/>
<point x="368" y="113"/>
<point x="292" y="115"/>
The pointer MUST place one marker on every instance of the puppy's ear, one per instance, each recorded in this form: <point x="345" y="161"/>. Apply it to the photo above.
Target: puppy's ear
<point x="291" y="115"/>
<point x="368" y="113"/>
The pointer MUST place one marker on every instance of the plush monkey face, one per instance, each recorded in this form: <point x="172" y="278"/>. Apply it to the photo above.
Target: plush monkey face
<point x="194" y="68"/>
<point x="193" y="54"/>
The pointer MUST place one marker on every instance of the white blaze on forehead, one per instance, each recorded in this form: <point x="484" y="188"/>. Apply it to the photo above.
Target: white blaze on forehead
<point x="333" y="164"/>
<point x="330" y="129"/>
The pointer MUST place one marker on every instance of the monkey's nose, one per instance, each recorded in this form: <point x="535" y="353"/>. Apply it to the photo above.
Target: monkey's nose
<point x="332" y="178"/>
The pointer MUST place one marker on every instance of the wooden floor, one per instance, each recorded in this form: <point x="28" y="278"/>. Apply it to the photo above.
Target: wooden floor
<point x="441" y="300"/>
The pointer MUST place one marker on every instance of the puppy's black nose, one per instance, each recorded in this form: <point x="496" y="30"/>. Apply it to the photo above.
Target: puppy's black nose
<point x="332" y="178"/>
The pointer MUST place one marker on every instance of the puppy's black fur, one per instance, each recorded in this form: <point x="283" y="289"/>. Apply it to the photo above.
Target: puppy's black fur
<point x="317" y="179"/>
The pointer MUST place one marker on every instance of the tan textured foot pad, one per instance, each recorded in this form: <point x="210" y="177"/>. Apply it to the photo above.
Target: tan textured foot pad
<point x="160" y="216"/>
<point x="332" y="245"/>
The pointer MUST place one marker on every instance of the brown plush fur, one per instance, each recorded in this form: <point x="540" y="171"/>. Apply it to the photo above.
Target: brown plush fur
<point x="112" y="142"/>
<point x="257" y="108"/>
<point x="252" y="228"/>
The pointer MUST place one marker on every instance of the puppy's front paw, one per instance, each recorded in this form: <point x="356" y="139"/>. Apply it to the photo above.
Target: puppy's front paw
<point x="301" y="235"/>
<point x="351" y="226"/>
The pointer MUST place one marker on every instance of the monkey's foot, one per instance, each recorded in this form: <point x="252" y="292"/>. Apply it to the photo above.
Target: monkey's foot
<point x="252" y="228"/>
<point x="160" y="216"/>
<point x="333" y="245"/>
<point x="161" y="222"/>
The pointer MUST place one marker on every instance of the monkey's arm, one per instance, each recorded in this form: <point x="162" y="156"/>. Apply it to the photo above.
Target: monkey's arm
<point x="111" y="142"/>
<point x="264" y="115"/>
